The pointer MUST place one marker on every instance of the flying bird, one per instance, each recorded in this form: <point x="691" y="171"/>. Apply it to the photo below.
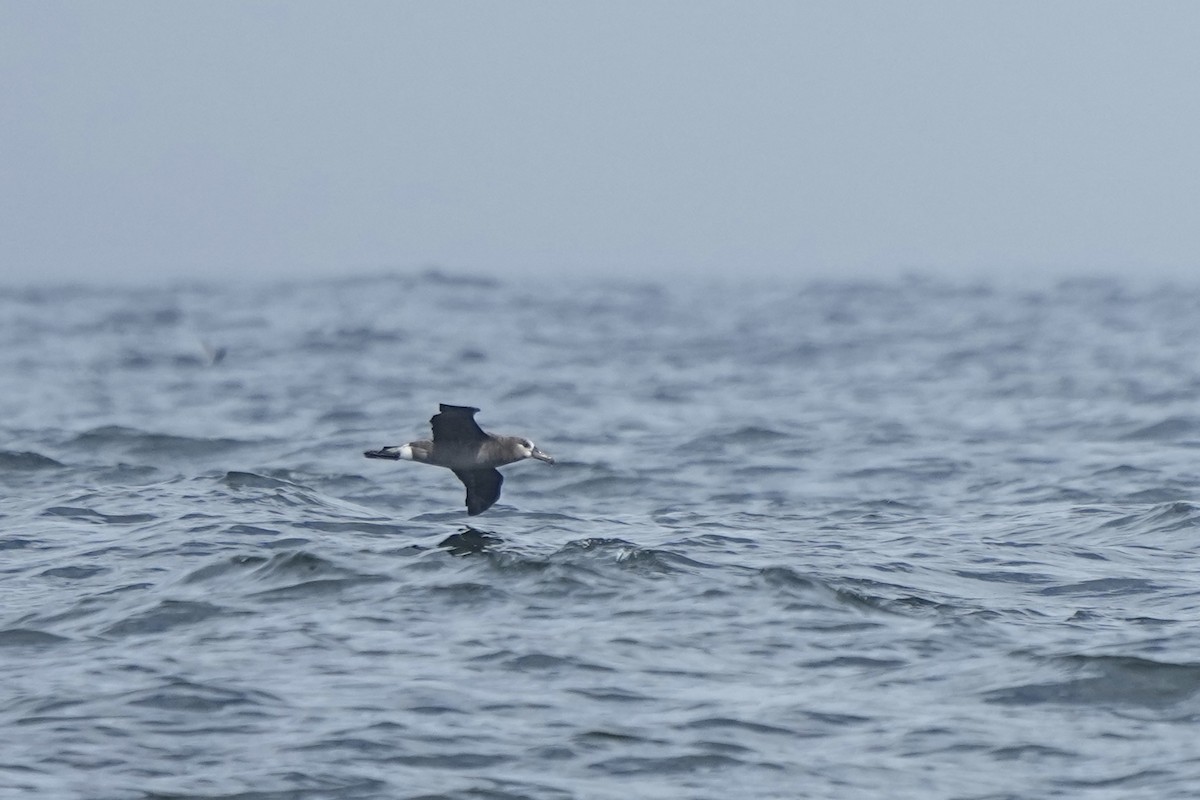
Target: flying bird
<point x="468" y="451"/>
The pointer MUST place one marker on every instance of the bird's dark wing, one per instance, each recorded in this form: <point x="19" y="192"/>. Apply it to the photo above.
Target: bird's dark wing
<point x="456" y="425"/>
<point x="483" y="488"/>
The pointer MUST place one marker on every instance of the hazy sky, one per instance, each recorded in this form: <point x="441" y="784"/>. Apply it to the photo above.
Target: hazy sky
<point x="637" y="138"/>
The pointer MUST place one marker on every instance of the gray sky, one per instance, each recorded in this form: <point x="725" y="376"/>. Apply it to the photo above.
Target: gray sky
<point x="184" y="139"/>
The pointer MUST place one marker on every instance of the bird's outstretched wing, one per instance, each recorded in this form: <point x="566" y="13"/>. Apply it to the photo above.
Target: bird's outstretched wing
<point x="483" y="488"/>
<point x="456" y="425"/>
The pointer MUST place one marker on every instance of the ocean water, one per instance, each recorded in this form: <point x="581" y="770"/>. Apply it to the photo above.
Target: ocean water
<point x="903" y="539"/>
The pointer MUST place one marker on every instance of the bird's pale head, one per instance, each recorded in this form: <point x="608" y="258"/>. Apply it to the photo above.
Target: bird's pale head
<point x="530" y="450"/>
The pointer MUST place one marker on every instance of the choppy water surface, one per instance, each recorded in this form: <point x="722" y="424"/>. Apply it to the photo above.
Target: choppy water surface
<point x="902" y="540"/>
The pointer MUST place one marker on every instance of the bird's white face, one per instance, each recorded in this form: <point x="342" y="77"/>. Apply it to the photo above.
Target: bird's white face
<point x="530" y="450"/>
<point x="402" y="451"/>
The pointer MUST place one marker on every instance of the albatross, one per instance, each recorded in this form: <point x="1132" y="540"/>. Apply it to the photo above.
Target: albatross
<point x="468" y="451"/>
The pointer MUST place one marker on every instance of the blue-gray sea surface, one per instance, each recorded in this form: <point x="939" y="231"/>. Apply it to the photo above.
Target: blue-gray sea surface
<point x="903" y="539"/>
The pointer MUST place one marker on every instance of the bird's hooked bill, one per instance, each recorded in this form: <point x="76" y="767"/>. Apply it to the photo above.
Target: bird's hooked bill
<point x="395" y="453"/>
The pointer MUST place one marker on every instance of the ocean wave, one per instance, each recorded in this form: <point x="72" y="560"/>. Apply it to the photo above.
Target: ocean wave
<point x="21" y="461"/>
<point x="1109" y="681"/>
<point x="136" y="442"/>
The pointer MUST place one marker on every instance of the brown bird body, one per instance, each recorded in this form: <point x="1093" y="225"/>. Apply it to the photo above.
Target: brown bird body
<point x="470" y="452"/>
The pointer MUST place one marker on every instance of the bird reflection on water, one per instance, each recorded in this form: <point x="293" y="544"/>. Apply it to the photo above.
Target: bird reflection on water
<point x="468" y="541"/>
